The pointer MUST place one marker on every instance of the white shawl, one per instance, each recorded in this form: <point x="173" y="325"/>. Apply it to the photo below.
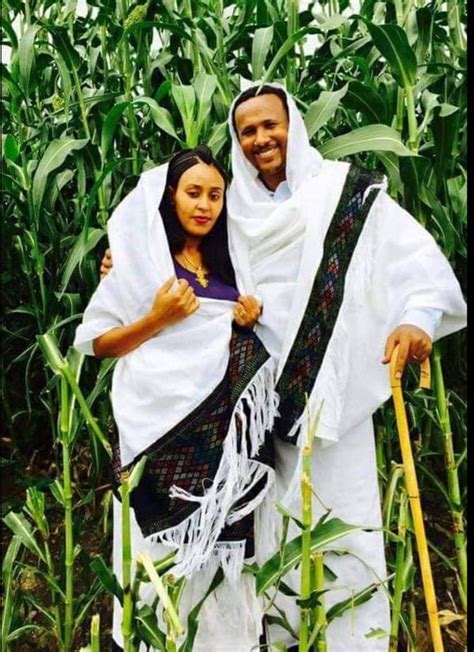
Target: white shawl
<point x="159" y="383"/>
<point x="396" y="267"/>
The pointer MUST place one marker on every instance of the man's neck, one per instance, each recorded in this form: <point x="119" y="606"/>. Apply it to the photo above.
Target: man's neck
<point x="272" y="181"/>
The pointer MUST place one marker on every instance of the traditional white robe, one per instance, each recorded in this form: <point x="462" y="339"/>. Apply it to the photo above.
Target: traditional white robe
<point x="396" y="267"/>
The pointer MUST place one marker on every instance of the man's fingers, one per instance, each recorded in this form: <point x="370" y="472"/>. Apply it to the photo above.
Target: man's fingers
<point x="402" y="356"/>
<point x="389" y="346"/>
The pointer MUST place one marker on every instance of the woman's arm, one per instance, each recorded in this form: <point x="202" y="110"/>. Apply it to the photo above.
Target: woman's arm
<point x="169" y="307"/>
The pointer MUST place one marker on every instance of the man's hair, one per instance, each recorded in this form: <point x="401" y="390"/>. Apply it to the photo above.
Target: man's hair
<point x="253" y="91"/>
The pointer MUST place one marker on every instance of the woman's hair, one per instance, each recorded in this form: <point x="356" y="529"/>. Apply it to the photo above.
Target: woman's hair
<point x="214" y="246"/>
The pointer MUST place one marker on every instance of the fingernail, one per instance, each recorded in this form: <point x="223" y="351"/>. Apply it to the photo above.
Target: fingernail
<point x="398" y="374"/>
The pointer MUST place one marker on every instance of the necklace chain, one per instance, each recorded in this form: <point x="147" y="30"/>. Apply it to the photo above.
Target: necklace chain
<point x="197" y="270"/>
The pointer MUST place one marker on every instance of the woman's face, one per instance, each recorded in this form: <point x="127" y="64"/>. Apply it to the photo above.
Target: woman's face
<point x="199" y="199"/>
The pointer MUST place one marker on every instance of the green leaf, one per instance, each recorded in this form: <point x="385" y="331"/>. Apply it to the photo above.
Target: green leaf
<point x="26" y="55"/>
<point x="376" y="633"/>
<point x="424" y="29"/>
<point x="413" y="170"/>
<point x="392" y="42"/>
<point x="11" y="554"/>
<point x="260" y="47"/>
<point x="218" y="138"/>
<point x="285" y="48"/>
<point x="359" y="598"/>
<point x="54" y="156"/>
<point x="83" y="245"/>
<point x="321" y="536"/>
<point x="204" y="85"/>
<point x="107" y="577"/>
<point x="24" y="629"/>
<point x="149" y="629"/>
<point x="185" y="99"/>
<point x="136" y="474"/>
<point x="50" y="349"/>
<point x="35" y="507"/>
<point x="321" y="111"/>
<point x="371" y="138"/>
<point x="161" y="117"/>
<point x="18" y="524"/>
<point x="365" y="99"/>
<point x="10" y="149"/>
<point x="109" y="127"/>
<point x="313" y="600"/>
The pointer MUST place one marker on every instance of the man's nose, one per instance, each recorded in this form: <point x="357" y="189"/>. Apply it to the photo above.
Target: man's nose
<point x="261" y="137"/>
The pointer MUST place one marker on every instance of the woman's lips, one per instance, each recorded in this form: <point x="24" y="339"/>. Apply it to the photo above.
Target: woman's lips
<point x="202" y="220"/>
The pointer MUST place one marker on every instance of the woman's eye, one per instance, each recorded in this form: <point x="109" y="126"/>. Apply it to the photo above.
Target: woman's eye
<point x="193" y="193"/>
<point x="215" y="197"/>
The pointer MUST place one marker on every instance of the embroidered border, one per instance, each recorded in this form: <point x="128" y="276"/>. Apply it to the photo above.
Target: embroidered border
<point x="189" y="455"/>
<point x="325" y="299"/>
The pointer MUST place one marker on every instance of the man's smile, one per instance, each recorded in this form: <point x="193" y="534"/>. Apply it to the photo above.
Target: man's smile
<point x="266" y="153"/>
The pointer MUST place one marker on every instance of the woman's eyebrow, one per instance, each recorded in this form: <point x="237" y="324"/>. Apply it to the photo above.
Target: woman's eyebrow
<point x="193" y="185"/>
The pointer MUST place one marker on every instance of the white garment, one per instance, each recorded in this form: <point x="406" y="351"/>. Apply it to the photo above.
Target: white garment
<point x="427" y="319"/>
<point x="396" y="267"/>
<point x="231" y="617"/>
<point x="159" y="383"/>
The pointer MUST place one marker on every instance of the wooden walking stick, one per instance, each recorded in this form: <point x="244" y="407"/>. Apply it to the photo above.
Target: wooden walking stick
<point x="414" y="495"/>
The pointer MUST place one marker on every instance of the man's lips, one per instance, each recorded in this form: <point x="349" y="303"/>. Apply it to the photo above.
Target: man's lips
<point x="267" y="153"/>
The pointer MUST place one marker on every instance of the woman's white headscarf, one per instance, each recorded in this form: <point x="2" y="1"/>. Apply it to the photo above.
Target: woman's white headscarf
<point x="162" y="381"/>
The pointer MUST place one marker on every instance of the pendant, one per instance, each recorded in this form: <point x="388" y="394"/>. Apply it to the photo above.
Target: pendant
<point x="201" y="278"/>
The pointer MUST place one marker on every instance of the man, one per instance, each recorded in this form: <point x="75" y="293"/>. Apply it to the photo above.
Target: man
<point x="345" y="275"/>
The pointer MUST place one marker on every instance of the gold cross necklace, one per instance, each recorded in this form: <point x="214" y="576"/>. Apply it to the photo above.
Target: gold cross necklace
<point x="195" y="269"/>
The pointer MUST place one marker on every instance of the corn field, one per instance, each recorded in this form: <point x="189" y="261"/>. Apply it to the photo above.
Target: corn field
<point x="92" y="95"/>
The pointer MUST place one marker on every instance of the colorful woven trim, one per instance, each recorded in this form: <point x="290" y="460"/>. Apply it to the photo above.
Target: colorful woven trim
<point x="189" y="455"/>
<point x="310" y="344"/>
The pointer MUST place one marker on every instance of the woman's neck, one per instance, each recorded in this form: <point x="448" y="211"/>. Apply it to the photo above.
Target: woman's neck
<point x="191" y="249"/>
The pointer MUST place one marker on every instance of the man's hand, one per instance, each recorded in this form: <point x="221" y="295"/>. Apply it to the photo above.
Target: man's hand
<point x="247" y="311"/>
<point x="106" y="263"/>
<point x="414" y="346"/>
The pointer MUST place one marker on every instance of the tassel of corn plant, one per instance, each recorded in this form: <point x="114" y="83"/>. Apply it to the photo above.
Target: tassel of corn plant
<point x="399" y="582"/>
<point x="454" y="490"/>
<point x="293" y="6"/>
<point x="68" y="518"/>
<point x="414" y="496"/>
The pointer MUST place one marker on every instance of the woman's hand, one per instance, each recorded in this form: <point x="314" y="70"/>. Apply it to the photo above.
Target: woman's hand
<point x="168" y="308"/>
<point x="106" y="263"/>
<point x="172" y="306"/>
<point x="247" y="311"/>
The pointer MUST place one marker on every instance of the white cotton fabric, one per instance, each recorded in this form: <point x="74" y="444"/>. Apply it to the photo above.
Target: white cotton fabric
<point x="396" y="268"/>
<point x="159" y="383"/>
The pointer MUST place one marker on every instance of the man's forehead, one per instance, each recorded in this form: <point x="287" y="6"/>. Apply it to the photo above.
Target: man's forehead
<point x="261" y="107"/>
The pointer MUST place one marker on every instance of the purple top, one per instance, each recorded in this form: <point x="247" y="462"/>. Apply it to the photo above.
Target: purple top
<point x="216" y="288"/>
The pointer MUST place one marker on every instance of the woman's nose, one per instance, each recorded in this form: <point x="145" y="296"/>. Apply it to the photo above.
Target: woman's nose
<point x="203" y="204"/>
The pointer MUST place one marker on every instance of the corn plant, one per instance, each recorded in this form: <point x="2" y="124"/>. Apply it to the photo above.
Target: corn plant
<point x="93" y="94"/>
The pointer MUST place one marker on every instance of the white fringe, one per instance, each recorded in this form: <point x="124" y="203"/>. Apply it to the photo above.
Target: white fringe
<point x="236" y="474"/>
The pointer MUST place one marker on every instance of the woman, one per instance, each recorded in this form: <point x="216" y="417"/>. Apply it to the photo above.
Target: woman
<point x="191" y="389"/>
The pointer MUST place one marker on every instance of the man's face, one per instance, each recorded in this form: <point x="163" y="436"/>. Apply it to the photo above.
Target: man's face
<point x="262" y="129"/>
